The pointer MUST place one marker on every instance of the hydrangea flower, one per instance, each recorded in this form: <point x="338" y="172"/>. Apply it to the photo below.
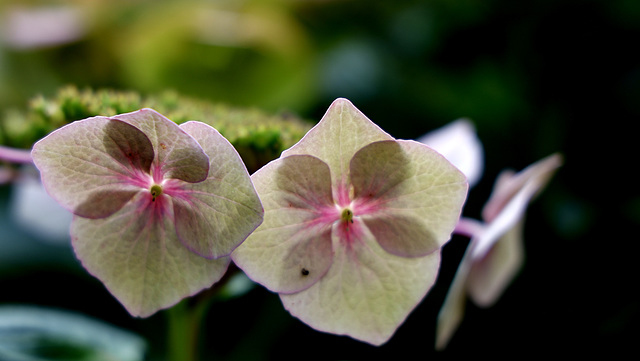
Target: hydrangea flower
<point x="495" y="253"/>
<point x="354" y="223"/>
<point x="158" y="207"/>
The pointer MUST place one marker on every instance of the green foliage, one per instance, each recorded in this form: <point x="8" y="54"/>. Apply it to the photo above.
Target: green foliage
<point x="30" y="333"/>
<point x="258" y="137"/>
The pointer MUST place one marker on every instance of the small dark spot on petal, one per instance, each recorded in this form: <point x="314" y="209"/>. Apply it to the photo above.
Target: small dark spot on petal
<point x="305" y="272"/>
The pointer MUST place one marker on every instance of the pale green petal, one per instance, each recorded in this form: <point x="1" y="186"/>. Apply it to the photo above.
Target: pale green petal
<point x="367" y="293"/>
<point x="341" y="132"/>
<point x="417" y="195"/>
<point x="292" y="248"/>
<point x="178" y="155"/>
<point x="138" y="257"/>
<point x="94" y="166"/>
<point x="214" y="216"/>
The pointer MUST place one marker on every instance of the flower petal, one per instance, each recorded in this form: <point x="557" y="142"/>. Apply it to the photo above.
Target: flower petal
<point x="458" y="142"/>
<point x="367" y="293"/>
<point x="214" y="216"/>
<point x="178" y="155"/>
<point x="484" y="279"/>
<point x="341" y="132"/>
<point x="490" y="275"/>
<point x="509" y="183"/>
<point x="452" y="310"/>
<point x="292" y="249"/>
<point x="92" y="167"/>
<point x="138" y="257"/>
<point x="509" y="200"/>
<point x="35" y="211"/>
<point x="415" y="195"/>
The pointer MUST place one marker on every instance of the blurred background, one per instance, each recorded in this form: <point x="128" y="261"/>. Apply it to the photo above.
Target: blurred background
<point x="535" y="77"/>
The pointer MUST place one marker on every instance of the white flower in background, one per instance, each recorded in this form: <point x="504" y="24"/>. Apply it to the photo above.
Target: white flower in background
<point x="458" y="142"/>
<point x="35" y="211"/>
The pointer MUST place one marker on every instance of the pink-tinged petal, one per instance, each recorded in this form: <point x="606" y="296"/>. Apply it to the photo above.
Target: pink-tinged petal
<point x="452" y="310"/>
<point x="459" y="143"/>
<point x="93" y="167"/>
<point x="367" y="293"/>
<point x="490" y="275"/>
<point x="509" y="183"/>
<point x="28" y="28"/>
<point x="469" y="227"/>
<point x="510" y="198"/>
<point x="410" y="196"/>
<point x="214" y="216"/>
<point x="341" y="132"/>
<point x="495" y="253"/>
<point x="138" y="257"/>
<point x="178" y="155"/>
<point x="483" y="279"/>
<point x="292" y="249"/>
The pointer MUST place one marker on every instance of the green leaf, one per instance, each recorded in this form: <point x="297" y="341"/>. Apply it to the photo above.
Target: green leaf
<point x="30" y="333"/>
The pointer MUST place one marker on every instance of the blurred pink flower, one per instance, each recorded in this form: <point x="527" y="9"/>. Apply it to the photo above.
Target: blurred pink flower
<point x="29" y="28"/>
<point x="495" y="253"/>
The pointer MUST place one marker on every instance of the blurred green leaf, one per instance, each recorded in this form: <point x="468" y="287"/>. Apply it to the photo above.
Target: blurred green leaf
<point x="29" y="333"/>
<point x="237" y="285"/>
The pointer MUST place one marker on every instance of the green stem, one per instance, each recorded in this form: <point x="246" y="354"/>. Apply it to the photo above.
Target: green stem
<point x="185" y="319"/>
<point x="181" y="333"/>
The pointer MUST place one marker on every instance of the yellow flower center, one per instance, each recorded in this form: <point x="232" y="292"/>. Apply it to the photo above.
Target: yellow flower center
<point x="347" y="215"/>
<point x="156" y="190"/>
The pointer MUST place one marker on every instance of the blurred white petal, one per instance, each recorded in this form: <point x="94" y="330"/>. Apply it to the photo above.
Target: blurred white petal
<point x="458" y="142"/>
<point x="35" y="211"/>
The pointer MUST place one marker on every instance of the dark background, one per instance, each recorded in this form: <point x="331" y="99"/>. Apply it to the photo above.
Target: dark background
<point x="535" y="77"/>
